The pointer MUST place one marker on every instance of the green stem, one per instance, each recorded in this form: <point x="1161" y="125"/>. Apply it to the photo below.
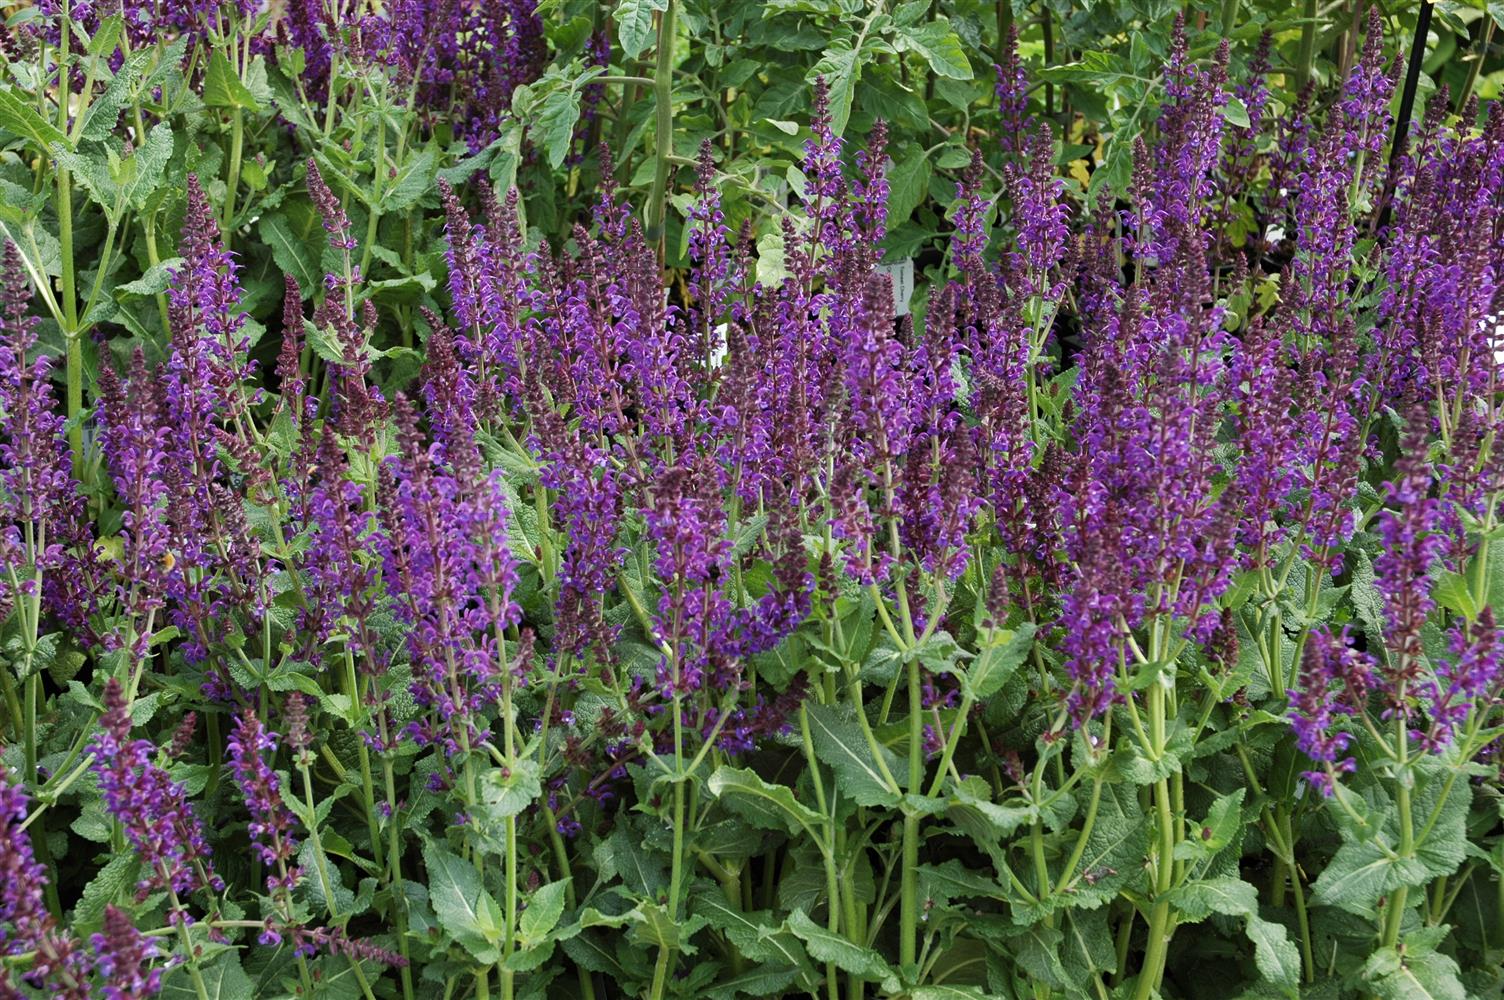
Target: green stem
<point x="320" y="862"/>
<point x="636" y="81"/>
<point x="663" y="95"/>
<point x="1476" y="67"/>
<point x="394" y="865"/>
<point x="188" y="952"/>
<point x="908" y="912"/>
<point x="1287" y="837"/>
<point x="1394" y="912"/>
<point x="1161" y="920"/>
<point x="368" y="787"/>
<point x="75" y="362"/>
<point x="232" y="179"/>
<point x="1307" y="56"/>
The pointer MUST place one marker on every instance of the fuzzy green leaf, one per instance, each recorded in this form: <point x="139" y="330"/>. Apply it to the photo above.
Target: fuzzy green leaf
<point x="769" y="807"/>
<point x="770" y="980"/>
<point x="842" y="68"/>
<point x="840" y="743"/>
<point x="508" y="795"/>
<point x="544" y="908"/>
<point x="292" y="254"/>
<point x="1419" y="973"/>
<point x="24" y="120"/>
<point x="465" y="910"/>
<point x="552" y="124"/>
<point x="1002" y="654"/>
<point x="753" y="933"/>
<point x="1274" y="953"/>
<point x="1362" y="872"/>
<point x="826" y="946"/>
<point x="222" y="976"/>
<point x="222" y="87"/>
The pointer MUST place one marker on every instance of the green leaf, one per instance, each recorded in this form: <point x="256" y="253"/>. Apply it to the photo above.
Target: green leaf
<point x="25" y="121"/>
<point x="1453" y="593"/>
<point x="1366" y="599"/>
<point x="544" y="908"/>
<point x="622" y="854"/>
<point x="970" y="807"/>
<point x="292" y="254"/>
<point x="939" y="46"/>
<point x="1274" y="953"/>
<point x="150" y="164"/>
<point x="1195" y="901"/>
<point x="1087" y="946"/>
<point x="652" y="925"/>
<point x="825" y="946"/>
<point x="634" y="19"/>
<point x="1114" y="854"/>
<point x="1420" y="973"/>
<point x="753" y="933"/>
<point x="769" y="807"/>
<point x="908" y="184"/>
<point x="116" y="182"/>
<point x="508" y="795"/>
<point x="948" y="992"/>
<point x="769" y="980"/>
<point x="953" y="880"/>
<point x="1002" y="654"/>
<point x="1361" y="873"/>
<point x="841" y="66"/>
<point x="1037" y="949"/>
<point x="464" y="908"/>
<point x="840" y="743"/>
<point x="106" y="36"/>
<point x="1236" y="112"/>
<point x="1221" y="826"/>
<point x="412" y="180"/>
<point x="551" y="126"/>
<point x="104" y="110"/>
<point x="312" y="884"/>
<point x="1444" y="847"/>
<point x="109" y="885"/>
<point x="222" y="86"/>
<point x="223" y="979"/>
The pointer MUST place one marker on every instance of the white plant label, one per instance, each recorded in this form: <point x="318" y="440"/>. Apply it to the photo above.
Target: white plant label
<point x="901" y="275"/>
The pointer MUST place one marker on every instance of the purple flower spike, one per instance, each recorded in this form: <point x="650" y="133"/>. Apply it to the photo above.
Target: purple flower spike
<point x="1335" y="680"/>
<point x="271" y="821"/>
<point x="121" y="957"/>
<point x="151" y="807"/>
<point x="40" y="506"/>
<point x="58" y="966"/>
